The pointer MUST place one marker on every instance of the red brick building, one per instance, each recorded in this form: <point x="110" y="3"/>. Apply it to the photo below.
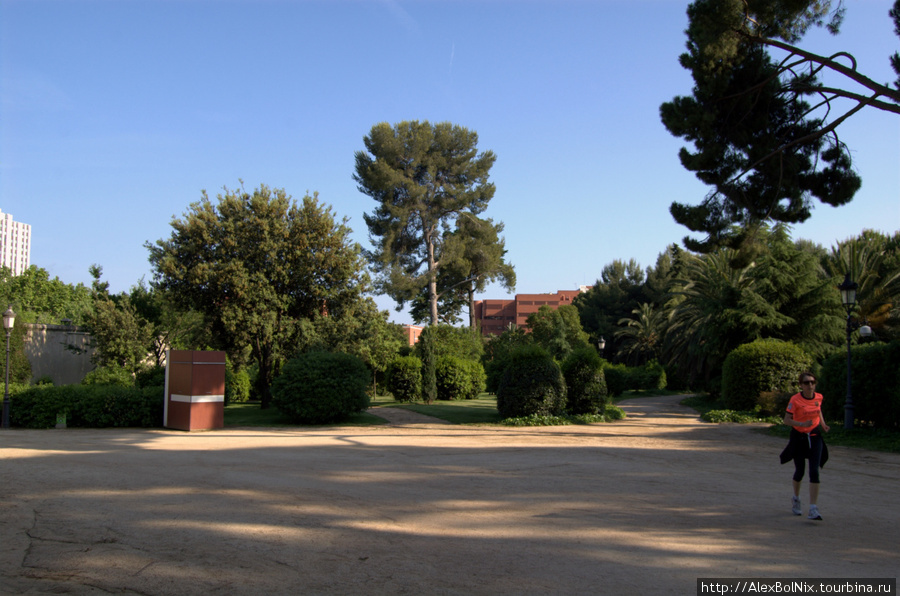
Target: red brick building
<point x="495" y="316"/>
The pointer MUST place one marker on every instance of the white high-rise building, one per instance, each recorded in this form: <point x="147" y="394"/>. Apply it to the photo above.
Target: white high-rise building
<point x="15" y="244"/>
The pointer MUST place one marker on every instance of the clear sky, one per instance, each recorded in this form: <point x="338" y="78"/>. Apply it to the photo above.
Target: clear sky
<point x="115" y="115"/>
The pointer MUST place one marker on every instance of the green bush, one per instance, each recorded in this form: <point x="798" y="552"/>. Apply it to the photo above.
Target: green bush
<point x="237" y="384"/>
<point x="876" y="384"/>
<point x="647" y="377"/>
<point x="405" y="378"/>
<point x="321" y="387"/>
<point x="617" y="378"/>
<point x="765" y="365"/>
<point x="88" y="406"/>
<point x="109" y="375"/>
<point x="497" y="353"/>
<point x="532" y="385"/>
<point x="458" y="379"/>
<point x="585" y="382"/>
<point x="447" y="340"/>
<point x="150" y="376"/>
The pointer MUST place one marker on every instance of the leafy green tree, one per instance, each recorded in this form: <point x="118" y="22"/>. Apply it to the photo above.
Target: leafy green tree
<point x="619" y="290"/>
<point x="38" y="299"/>
<point x="363" y="331"/>
<point x="423" y="177"/>
<point x="120" y="337"/>
<point x="475" y="254"/>
<point x="558" y="331"/>
<point x="258" y="265"/>
<point x="759" y="143"/>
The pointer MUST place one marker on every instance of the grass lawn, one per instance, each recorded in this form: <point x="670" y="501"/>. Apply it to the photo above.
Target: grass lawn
<point x="250" y="414"/>
<point x="482" y="410"/>
<point x="865" y="438"/>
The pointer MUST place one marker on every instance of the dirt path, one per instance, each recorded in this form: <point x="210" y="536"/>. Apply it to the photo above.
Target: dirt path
<point x="644" y="505"/>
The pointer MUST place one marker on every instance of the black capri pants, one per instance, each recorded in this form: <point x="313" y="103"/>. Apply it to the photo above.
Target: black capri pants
<point x="807" y="446"/>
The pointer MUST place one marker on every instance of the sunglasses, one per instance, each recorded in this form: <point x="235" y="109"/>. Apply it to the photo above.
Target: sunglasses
<point x="808" y="383"/>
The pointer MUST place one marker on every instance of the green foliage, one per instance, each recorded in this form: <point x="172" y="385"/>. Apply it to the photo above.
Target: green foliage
<point x="427" y="350"/>
<point x="150" y="376"/>
<point x="36" y="298"/>
<point x="237" y="384"/>
<point x="459" y="342"/>
<point x="585" y="382"/>
<point x="558" y="331"/>
<point x="616" y="376"/>
<point x="761" y="366"/>
<point x="258" y="266"/>
<point x="88" y="406"/>
<point x="531" y="385"/>
<point x="424" y="177"/>
<point x="19" y="367"/>
<point x="497" y="353"/>
<point x="321" y="387"/>
<point x="876" y="384"/>
<point x="650" y="376"/>
<point x="458" y="379"/>
<point x="405" y="378"/>
<point x="109" y="375"/>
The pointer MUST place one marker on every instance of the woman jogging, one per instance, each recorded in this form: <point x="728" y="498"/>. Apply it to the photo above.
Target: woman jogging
<point x="804" y="416"/>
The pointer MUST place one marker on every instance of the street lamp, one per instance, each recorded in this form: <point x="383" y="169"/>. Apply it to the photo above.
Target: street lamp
<point x="9" y="319"/>
<point x="848" y="289"/>
<point x="601" y="344"/>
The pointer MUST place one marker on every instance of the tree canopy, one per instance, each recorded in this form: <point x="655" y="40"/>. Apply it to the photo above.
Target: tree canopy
<point x="764" y="127"/>
<point x="257" y="265"/>
<point x="424" y="177"/>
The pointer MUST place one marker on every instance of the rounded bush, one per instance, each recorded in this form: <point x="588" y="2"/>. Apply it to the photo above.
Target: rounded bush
<point x="321" y="387"/>
<point x="532" y="385"/>
<point x="617" y="379"/>
<point x="585" y="382"/>
<point x="761" y="367"/>
<point x="648" y="377"/>
<point x="458" y="379"/>
<point x="237" y="385"/>
<point x="405" y="378"/>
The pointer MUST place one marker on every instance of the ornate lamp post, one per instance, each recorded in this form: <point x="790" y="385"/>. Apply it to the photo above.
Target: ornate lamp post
<point x="9" y="319"/>
<point x="848" y="289"/>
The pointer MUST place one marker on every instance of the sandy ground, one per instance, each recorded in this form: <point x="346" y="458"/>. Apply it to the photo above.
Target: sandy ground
<point x="645" y="505"/>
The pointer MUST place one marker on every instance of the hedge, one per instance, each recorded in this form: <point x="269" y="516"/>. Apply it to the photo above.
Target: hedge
<point x="585" y="382"/>
<point x="405" y="378"/>
<point x="458" y="378"/>
<point x="876" y="384"/>
<point x="87" y="406"/>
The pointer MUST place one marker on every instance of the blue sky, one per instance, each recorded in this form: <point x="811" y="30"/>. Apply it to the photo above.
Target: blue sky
<point x="114" y="115"/>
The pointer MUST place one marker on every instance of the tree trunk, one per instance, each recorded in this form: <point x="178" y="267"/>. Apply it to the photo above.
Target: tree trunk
<point x="432" y="278"/>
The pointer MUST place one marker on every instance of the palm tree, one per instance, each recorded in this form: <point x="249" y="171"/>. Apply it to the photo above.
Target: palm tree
<point x="640" y="339"/>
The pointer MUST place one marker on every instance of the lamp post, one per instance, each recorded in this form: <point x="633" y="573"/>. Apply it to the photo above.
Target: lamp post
<point x="848" y="289"/>
<point x="9" y="319"/>
<point x="600" y="345"/>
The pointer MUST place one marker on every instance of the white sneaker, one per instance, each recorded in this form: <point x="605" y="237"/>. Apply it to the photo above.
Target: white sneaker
<point x="796" y="506"/>
<point x="814" y="513"/>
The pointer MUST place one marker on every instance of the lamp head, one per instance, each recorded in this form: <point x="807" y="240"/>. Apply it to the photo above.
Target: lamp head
<point x="601" y="344"/>
<point x="9" y="319"/>
<point x="848" y="289"/>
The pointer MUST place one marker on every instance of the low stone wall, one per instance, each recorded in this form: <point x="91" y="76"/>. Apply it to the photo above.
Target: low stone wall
<point x="61" y="352"/>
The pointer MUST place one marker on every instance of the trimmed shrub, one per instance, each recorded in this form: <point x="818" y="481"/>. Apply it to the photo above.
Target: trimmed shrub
<point x="647" y="377"/>
<point x="762" y="366"/>
<point x="532" y="385"/>
<point x="585" y="382"/>
<point x="447" y="340"/>
<point x="88" y="406"/>
<point x="321" y="387"/>
<point x="405" y="378"/>
<point x="617" y="378"/>
<point x="875" y="378"/>
<point x="109" y="375"/>
<point x="237" y="384"/>
<point x="458" y="379"/>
